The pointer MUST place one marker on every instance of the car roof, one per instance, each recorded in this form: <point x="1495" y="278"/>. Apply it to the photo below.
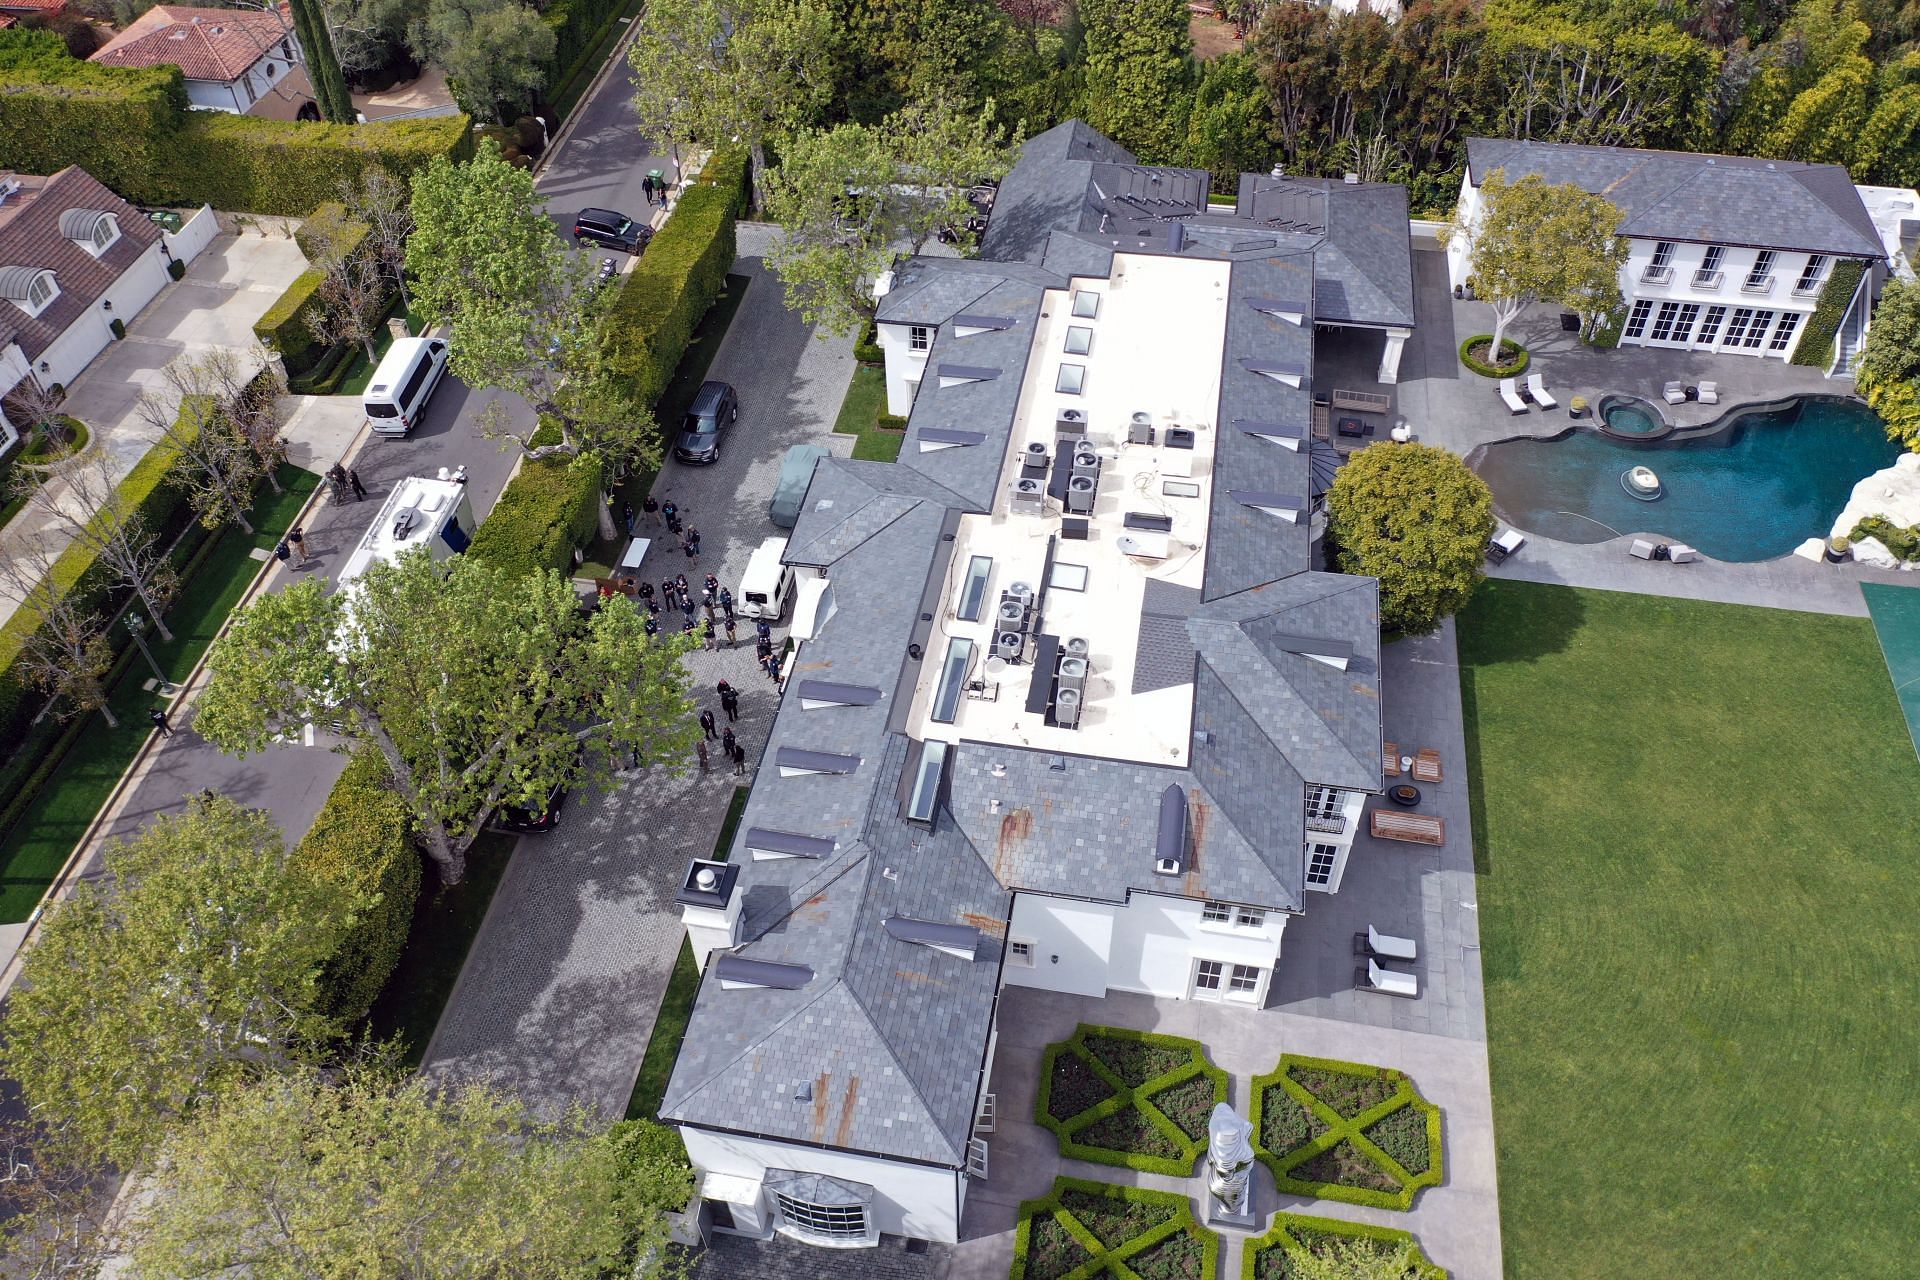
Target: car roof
<point x="708" y="395"/>
<point x="604" y="215"/>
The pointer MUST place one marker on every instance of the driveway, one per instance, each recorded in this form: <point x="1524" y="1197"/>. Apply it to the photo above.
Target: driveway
<point x="562" y="985"/>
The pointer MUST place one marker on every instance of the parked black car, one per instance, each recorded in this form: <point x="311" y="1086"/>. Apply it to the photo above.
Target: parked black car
<point x="611" y="230"/>
<point x="714" y="408"/>
<point x="513" y="818"/>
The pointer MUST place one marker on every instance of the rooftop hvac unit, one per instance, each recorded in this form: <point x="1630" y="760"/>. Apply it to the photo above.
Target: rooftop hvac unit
<point x="1036" y="455"/>
<point x="1080" y="495"/>
<point x="1070" y="422"/>
<point x="1086" y="465"/>
<point x="1021" y="591"/>
<point x="1027" y="498"/>
<point x="1066" y="709"/>
<point x="1013" y="615"/>
<point x="1077" y="647"/>
<point x="1140" y="429"/>
<point x="1008" y="645"/>
<point x="1073" y="675"/>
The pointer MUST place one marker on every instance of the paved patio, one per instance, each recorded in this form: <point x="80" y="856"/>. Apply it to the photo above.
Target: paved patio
<point x="1439" y="1039"/>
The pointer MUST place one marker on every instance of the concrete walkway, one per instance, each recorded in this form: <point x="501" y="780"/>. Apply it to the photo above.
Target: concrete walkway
<point x="560" y="991"/>
<point x="1313" y="1008"/>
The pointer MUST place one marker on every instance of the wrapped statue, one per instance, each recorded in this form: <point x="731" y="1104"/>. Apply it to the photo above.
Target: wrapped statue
<point x="1229" y="1164"/>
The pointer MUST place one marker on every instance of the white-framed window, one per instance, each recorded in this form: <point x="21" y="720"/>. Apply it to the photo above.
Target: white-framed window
<point x="1637" y="320"/>
<point x="1663" y="322"/>
<point x="919" y="337"/>
<point x="1244" y="980"/>
<point x="1810" y="274"/>
<point x="41" y="290"/>
<point x="1249" y="917"/>
<point x="846" y="1223"/>
<point x="1325" y="802"/>
<point x="1708" y="276"/>
<point x="1660" y="269"/>
<point x="1208" y="976"/>
<point x="1783" y="332"/>
<point x="1020" y="953"/>
<point x="1737" y="327"/>
<point x="1216" y="913"/>
<point x="1710" y="327"/>
<point x="1760" y="277"/>
<point x="247" y="81"/>
<point x="1321" y="860"/>
<point x="1757" y="331"/>
<point x="106" y="230"/>
<point x="1683" y="322"/>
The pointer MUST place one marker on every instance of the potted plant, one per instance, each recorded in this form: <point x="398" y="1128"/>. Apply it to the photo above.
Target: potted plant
<point x="1839" y="547"/>
<point x="1577" y="407"/>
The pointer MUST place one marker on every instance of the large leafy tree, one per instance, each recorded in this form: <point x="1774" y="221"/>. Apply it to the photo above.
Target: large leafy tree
<point x="1227" y="132"/>
<point x="89" y="507"/>
<point x="853" y="197"/>
<point x="192" y="963"/>
<point x="1418" y="519"/>
<point x="1887" y="370"/>
<point x="478" y="688"/>
<point x="495" y="52"/>
<point x="524" y="313"/>
<point x="303" y="1176"/>
<point x="1139" y="83"/>
<point x="329" y="85"/>
<point x="1534" y="241"/>
<point x="717" y="72"/>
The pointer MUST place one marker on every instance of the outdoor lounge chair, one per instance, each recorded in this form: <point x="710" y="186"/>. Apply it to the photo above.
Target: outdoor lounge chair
<point x="1709" y="393"/>
<point x="1414" y="828"/>
<point x="1386" y="981"/>
<point x="1675" y="393"/>
<point x="1537" y="388"/>
<point x="1511" y="394"/>
<point x="1383" y="946"/>
<point x="1681" y="553"/>
<point x="1504" y="544"/>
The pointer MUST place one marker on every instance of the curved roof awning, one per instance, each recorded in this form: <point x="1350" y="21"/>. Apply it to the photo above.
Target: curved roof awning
<point x="15" y="281"/>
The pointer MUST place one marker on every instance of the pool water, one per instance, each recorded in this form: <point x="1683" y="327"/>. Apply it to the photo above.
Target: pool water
<point x="1630" y="419"/>
<point x="1752" y="490"/>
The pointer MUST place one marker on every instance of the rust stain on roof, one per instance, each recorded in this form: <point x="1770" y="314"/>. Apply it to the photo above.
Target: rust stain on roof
<point x="846" y="1111"/>
<point x="1200" y="813"/>
<point x="1015" y="827"/>
<point x="992" y="926"/>
<point x="820" y="1106"/>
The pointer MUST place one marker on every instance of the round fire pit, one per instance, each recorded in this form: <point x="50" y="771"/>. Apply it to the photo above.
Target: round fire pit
<point x="1405" y="795"/>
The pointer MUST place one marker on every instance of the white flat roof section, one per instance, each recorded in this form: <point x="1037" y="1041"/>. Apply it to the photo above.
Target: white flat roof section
<point x="427" y="504"/>
<point x="1153" y="348"/>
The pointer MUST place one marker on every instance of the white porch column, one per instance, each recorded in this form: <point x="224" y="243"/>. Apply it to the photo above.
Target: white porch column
<point x="1390" y="358"/>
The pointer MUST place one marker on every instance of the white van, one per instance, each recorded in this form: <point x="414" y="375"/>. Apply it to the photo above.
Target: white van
<point x="408" y="373"/>
<point x="766" y="589"/>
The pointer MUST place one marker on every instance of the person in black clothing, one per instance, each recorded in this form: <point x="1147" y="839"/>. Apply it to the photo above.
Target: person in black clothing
<point x="626" y="517"/>
<point x="652" y="624"/>
<point x="337" y="482"/>
<point x="671" y="511"/>
<point x="727" y="743"/>
<point x="668" y="591"/>
<point x="359" y="490"/>
<point x="650" y="508"/>
<point x="713" y="586"/>
<point x="730" y="701"/>
<point x="687" y="630"/>
<point x="739" y="759"/>
<point x="764" y="631"/>
<point x="708" y="640"/>
<point x="706" y="722"/>
<point x="731" y="638"/>
<point x="726" y="600"/>
<point x="761" y="648"/>
<point x="680" y="582"/>
<point x="653" y="606"/>
<point x="693" y="544"/>
<point x="160" y="722"/>
<point x="686" y="608"/>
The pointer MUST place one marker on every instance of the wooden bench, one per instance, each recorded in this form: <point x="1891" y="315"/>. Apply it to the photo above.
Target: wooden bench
<point x="1390" y="759"/>
<point x="1426" y="766"/>
<point x="1362" y="401"/>
<point x="1322" y="421"/>
<point x="1416" y="828"/>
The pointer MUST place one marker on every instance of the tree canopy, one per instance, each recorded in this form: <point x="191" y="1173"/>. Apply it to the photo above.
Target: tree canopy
<point x="300" y="1176"/>
<point x="1887" y="370"/>
<point x="192" y="963"/>
<point x="1139" y="74"/>
<point x="1532" y="241"/>
<point x="1418" y="519"/>
<point x="479" y="688"/>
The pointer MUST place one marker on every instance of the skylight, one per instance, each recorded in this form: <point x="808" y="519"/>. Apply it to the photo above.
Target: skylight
<point x="1072" y="378"/>
<point x="1079" y="340"/>
<point x="1086" y="304"/>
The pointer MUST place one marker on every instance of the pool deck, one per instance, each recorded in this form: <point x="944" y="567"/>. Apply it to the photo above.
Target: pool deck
<point x="1448" y="406"/>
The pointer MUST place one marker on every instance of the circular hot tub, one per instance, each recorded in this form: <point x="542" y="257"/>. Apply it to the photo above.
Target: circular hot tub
<point x="1631" y="418"/>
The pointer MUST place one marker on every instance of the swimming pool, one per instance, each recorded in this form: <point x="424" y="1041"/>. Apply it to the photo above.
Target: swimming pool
<point x="1750" y="488"/>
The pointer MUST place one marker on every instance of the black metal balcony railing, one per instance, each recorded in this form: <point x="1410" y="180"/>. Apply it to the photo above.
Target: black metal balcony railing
<point x="1763" y="284"/>
<point x="1653" y="274"/>
<point x="1708" y="279"/>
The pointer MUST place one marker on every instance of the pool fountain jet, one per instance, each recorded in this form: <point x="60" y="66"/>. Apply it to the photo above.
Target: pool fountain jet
<point x="1641" y="483"/>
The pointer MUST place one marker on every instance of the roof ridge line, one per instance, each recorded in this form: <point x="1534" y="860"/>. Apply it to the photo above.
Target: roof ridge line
<point x="894" y="1058"/>
<point x="1240" y="628"/>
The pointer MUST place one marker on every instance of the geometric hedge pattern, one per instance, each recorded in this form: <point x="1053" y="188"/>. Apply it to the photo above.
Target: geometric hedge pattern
<point x="1346" y="1131"/>
<point x="1129" y="1098"/>
<point x="1294" y="1233"/>
<point x="1082" y="1229"/>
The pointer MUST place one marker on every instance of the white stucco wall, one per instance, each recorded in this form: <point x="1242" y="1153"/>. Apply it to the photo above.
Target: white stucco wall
<point x="194" y="235"/>
<point x="904" y="367"/>
<point x="909" y="1199"/>
<point x="92" y="330"/>
<point x="1072" y="944"/>
<point x="1148" y="944"/>
<point x="231" y="96"/>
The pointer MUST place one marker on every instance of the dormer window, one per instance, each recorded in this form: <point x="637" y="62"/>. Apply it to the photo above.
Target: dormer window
<point x="29" y="288"/>
<point x="91" y="229"/>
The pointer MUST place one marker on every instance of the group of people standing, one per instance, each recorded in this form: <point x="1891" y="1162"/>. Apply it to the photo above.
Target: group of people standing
<point x="730" y="748"/>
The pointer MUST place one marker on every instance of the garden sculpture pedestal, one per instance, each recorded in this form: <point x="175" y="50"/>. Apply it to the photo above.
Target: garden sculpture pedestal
<point x="1229" y="1170"/>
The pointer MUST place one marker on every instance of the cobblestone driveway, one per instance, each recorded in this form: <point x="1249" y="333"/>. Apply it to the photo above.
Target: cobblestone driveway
<point x="560" y="991"/>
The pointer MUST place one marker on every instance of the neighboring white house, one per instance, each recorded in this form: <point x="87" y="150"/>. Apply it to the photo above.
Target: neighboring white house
<point x="1070" y="707"/>
<point x="1726" y="254"/>
<point x="74" y="257"/>
<point x="245" y="61"/>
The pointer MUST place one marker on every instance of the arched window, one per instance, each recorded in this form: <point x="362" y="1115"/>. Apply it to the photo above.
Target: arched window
<point x="29" y="288"/>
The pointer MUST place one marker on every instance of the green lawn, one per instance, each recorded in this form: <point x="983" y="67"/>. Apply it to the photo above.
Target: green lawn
<point x="444" y="924"/>
<point x="38" y="845"/>
<point x="860" y="416"/>
<point x="676" y="1006"/>
<point x="1696" y="831"/>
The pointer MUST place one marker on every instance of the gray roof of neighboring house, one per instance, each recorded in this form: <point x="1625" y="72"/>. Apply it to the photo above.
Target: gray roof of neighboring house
<point x="879" y="1052"/>
<point x="1706" y="199"/>
<point x="37" y="235"/>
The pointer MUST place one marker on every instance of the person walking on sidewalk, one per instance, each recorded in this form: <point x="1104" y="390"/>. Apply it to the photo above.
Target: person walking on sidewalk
<point x="160" y="722"/>
<point x="731" y="640"/>
<point x="671" y="512"/>
<point x="709" y="640"/>
<point x="700" y="749"/>
<point x="693" y="544"/>
<point x="337" y="482"/>
<point x="281" y="552"/>
<point x="298" y="540"/>
<point x="706" y="722"/>
<point x="359" y="490"/>
<point x="646" y="190"/>
<point x="727" y="744"/>
<point x="650" y="508"/>
<point x="739" y="759"/>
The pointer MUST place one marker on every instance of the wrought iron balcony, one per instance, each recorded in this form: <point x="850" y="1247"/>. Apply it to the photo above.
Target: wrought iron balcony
<point x="1652" y="274"/>
<point x="1764" y="284"/>
<point x="1708" y="279"/>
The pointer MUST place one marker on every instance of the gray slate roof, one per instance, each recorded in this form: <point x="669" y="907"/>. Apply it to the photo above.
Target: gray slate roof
<point x="1704" y="199"/>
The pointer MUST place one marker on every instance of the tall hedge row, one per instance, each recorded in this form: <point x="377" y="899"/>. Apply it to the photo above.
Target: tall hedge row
<point x="287" y="325"/>
<point x="546" y="511"/>
<point x="362" y="841"/>
<point x="577" y="27"/>
<point x="132" y="130"/>
<point x="663" y="298"/>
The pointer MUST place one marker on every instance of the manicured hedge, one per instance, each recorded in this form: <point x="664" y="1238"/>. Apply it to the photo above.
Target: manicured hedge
<point x="663" y="298"/>
<point x="1816" y="340"/>
<point x="1296" y="1233"/>
<point x="1051" y="1238"/>
<point x="132" y="130"/>
<point x="547" y="510"/>
<point x="287" y="325"/>
<point x="362" y="842"/>
<point x="1518" y="355"/>
<point x="330" y="229"/>
<point x="1316" y="1124"/>
<point x="577" y="28"/>
<point x="1090" y="1132"/>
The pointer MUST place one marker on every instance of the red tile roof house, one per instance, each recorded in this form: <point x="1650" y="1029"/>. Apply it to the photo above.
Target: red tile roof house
<point x="246" y="61"/>
<point x="74" y="257"/>
<point x="11" y="11"/>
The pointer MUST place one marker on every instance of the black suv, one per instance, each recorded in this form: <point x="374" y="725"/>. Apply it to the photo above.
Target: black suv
<point x="714" y="407"/>
<point x="611" y="230"/>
